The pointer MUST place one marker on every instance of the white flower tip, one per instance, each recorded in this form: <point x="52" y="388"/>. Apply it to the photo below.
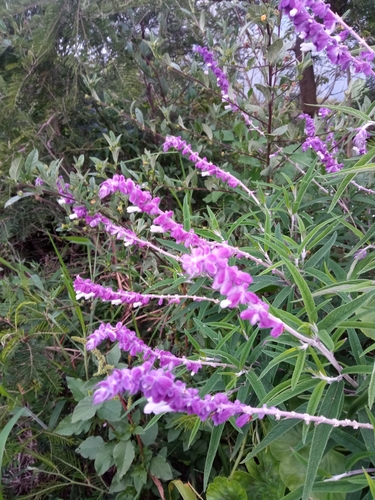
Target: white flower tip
<point x="225" y="303"/>
<point x="156" y="408"/>
<point x="307" y="46"/>
<point x="156" y="229"/>
<point x="73" y="216"/>
<point x="133" y="209"/>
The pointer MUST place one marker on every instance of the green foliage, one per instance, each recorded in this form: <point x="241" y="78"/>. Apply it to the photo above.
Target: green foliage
<point x="89" y="90"/>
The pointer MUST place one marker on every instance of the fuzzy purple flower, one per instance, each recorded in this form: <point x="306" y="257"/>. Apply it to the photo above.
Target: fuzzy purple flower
<point x="360" y="139"/>
<point x="303" y="14"/>
<point x="202" y="164"/>
<point x="129" y="342"/>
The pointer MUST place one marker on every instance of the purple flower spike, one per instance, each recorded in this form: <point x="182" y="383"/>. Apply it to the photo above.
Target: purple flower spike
<point x="202" y="164"/>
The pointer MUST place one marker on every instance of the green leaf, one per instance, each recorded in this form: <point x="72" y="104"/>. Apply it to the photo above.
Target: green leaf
<point x="275" y="433"/>
<point x="76" y="387"/>
<point x="371" y="417"/>
<point x="300" y="362"/>
<point x="15" y="168"/>
<point x="17" y="198"/>
<point x="211" y="453"/>
<point x="160" y="468"/>
<point x="349" y="111"/>
<point x="184" y="490"/>
<point x="331" y="408"/>
<point x="90" y="447"/>
<point x="85" y="409"/>
<point x="322" y="252"/>
<point x="326" y="339"/>
<point x="67" y="428"/>
<point x="110" y="410"/>
<point x="371" y="483"/>
<point x="344" y="183"/>
<point x="207" y="130"/>
<point x="313" y="404"/>
<point x="304" y="289"/>
<point x="123" y="454"/>
<point x="274" y="50"/>
<point x="342" y="313"/>
<point x="104" y="460"/>
<point x="306" y="181"/>
<point x="5" y="433"/>
<point x="149" y="436"/>
<point x="223" y="488"/>
<point x="371" y="389"/>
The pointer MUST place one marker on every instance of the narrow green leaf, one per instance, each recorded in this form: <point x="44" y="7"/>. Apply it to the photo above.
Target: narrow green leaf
<point x="184" y="490"/>
<point x="371" y="389"/>
<point x="284" y="356"/>
<point x="186" y="211"/>
<point x="349" y="111"/>
<point x="304" y="289"/>
<point x="306" y="181"/>
<point x="310" y="241"/>
<point x="326" y="339"/>
<point x="340" y="190"/>
<point x="342" y="313"/>
<point x="312" y="405"/>
<point x="194" y="431"/>
<point x="322" y="252"/>
<point x="4" y="436"/>
<point x="331" y="408"/>
<point x="211" y="453"/>
<point x="281" y="428"/>
<point x="371" y="418"/>
<point x="371" y="484"/>
<point x="300" y="362"/>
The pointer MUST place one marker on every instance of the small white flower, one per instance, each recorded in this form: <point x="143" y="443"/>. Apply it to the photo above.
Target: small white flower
<point x="137" y="304"/>
<point x="225" y="303"/>
<point x="156" y="229"/>
<point x="307" y="46"/>
<point x="156" y="408"/>
<point x="73" y="216"/>
<point x="61" y="201"/>
<point x="133" y="209"/>
<point x="116" y="302"/>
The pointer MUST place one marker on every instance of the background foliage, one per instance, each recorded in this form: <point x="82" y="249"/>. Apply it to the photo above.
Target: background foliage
<point x="89" y="89"/>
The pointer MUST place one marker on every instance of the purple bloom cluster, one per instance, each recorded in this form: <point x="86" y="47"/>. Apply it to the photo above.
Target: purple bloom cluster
<point x="359" y="140"/>
<point x="87" y="289"/>
<point x="64" y="189"/>
<point x="221" y="77"/>
<point x="223" y="84"/>
<point x="129" y="342"/>
<point x="303" y="14"/>
<point x="203" y="259"/>
<point x="39" y="181"/>
<point x="165" y="394"/>
<point x="137" y="196"/>
<point x="314" y="142"/>
<point x="202" y="164"/>
<point x="232" y="283"/>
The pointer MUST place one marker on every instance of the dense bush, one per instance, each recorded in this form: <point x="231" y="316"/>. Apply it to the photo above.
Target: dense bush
<point x="235" y="302"/>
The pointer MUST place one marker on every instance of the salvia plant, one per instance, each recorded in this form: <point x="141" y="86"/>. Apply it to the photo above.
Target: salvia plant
<point x="268" y="304"/>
